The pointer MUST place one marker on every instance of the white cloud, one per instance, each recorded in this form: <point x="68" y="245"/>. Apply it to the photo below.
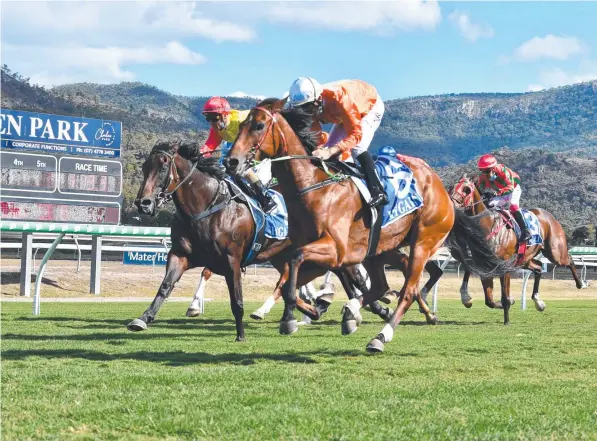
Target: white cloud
<point x="556" y="77"/>
<point x="102" y="64"/>
<point x="241" y="94"/>
<point x="385" y="16"/>
<point x="469" y="30"/>
<point x="114" y="22"/>
<point x="549" y="47"/>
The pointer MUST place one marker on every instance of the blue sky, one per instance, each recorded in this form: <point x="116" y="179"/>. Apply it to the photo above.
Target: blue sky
<point x="404" y="48"/>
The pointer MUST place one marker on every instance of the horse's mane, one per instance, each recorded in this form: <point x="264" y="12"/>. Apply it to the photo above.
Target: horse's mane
<point x="300" y="122"/>
<point x="190" y="150"/>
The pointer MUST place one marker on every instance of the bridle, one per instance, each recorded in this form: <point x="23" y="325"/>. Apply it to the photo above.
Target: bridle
<point x="165" y="194"/>
<point x="466" y="201"/>
<point x="273" y="120"/>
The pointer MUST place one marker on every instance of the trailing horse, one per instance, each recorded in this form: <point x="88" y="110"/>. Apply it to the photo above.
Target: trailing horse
<point x="329" y="222"/>
<point x="500" y="230"/>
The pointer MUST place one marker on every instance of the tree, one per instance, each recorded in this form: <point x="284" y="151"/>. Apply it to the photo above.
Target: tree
<point x="582" y="235"/>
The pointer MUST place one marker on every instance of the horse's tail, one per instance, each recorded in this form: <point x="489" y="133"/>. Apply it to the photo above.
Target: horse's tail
<point x="469" y="239"/>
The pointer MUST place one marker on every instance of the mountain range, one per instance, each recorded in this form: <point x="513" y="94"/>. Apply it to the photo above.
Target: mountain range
<point x="549" y="137"/>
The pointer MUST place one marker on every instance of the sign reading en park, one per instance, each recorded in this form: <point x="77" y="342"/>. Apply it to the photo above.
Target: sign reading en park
<point x="58" y="168"/>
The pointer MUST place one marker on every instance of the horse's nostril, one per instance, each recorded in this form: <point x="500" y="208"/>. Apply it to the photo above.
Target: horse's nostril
<point x="146" y="202"/>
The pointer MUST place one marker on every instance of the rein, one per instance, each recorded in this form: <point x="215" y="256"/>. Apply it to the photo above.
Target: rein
<point x="166" y="196"/>
<point x="332" y="178"/>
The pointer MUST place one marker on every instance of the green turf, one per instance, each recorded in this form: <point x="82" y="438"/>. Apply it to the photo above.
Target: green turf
<point x="76" y="373"/>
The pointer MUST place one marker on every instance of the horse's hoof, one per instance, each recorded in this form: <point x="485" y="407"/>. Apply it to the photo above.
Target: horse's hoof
<point x="468" y="304"/>
<point x="193" y="312"/>
<point x="433" y="320"/>
<point x="240" y="339"/>
<point x="375" y="346"/>
<point x="137" y="325"/>
<point x="258" y="315"/>
<point x="288" y="328"/>
<point x="349" y="327"/>
<point x="506" y="323"/>
<point x="325" y="299"/>
<point x="388" y="297"/>
<point x="540" y="306"/>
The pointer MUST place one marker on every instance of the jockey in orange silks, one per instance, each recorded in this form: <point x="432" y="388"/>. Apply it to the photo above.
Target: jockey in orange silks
<point x="356" y="109"/>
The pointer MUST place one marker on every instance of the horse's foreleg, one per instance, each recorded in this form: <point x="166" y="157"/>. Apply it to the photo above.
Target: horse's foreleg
<point x="175" y="267"/>
<point x="419" y="256"/>
<point x="318" y="253"/>
<point x="488" y="293"/>
<point x="194" y="309"/>
<point x="505" y="285"/>
<point x="465" y="297"/>
<point x="235" y="290"/>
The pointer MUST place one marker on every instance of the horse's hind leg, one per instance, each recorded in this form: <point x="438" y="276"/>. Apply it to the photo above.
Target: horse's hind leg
<point x="539" y="304"/>
<point x="506" y="302"/>
<point x="175" y="267"/>
<point x="465" y="297"/>
<point x="194" y="308"/>
<point x="488" y="292"/>
<point x="419" y="255"/>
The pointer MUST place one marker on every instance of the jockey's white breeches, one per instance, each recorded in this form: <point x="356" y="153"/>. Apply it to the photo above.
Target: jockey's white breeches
<point x="507" y="200"/>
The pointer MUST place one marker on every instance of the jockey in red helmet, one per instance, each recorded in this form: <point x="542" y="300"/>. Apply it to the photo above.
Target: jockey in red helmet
<point x="225" y="125"/>
<point x="501" y="186"/>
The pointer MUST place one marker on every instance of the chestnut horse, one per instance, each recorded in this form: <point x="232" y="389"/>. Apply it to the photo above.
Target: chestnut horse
<point x="212" y="228"/>
<point x="329" y="222"/>
<point x="465" y="195"/>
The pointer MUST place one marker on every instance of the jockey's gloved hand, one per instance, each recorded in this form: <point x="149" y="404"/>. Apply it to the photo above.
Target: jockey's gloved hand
<point x="489" y="194"/>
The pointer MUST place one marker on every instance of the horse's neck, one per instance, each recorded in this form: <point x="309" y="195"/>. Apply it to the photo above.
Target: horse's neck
<point x="197" y="192"/>
<point x="296" y="174"/>
<point x="478" y="204"/>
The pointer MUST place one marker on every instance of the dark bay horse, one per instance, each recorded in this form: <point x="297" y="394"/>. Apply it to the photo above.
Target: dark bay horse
<point x="465" y="195"/>
<point x="212" y="228"/>
<point x="329" y="222"/>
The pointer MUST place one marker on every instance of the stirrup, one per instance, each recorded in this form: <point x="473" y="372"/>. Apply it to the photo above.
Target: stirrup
<point x="268" y="206"/>
<point x="380" y="199"/>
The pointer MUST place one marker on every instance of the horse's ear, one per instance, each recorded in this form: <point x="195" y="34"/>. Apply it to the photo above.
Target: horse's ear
<point x="279" y="105"/>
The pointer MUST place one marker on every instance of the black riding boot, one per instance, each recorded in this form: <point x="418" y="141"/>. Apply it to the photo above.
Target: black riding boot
<point x="378" y="195"/>
<point x="524" y="231"/>
<point x="265" y="200"/>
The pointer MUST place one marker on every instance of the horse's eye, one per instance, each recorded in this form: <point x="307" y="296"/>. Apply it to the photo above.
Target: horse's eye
<point x="258" y="126"/>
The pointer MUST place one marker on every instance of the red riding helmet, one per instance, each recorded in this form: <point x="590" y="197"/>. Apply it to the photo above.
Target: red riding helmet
<point x="487" y="161"/>
<point x="216" y="104"/>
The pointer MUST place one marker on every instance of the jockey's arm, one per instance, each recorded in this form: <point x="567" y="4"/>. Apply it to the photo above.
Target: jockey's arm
<point x="505" y="175"/>
<point x="213" y="141"/>
<point x="351" y="121"/>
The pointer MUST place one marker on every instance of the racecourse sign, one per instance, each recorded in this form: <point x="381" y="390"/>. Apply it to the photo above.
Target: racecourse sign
<point x="144" y="258"/>
<point x="32" y="131"/>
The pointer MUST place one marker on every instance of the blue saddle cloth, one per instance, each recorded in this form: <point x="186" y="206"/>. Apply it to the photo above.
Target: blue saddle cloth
<point x="274" y="224"/>
<point x="401" y="187"/>
<point x="532" y="222"/>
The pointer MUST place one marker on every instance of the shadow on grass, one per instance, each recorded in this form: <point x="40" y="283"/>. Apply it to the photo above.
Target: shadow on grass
<point x="14" y="277"/>
<point x="168" y="358"/>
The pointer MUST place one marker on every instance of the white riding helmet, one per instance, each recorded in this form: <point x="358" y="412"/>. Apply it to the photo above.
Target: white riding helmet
<point x="304" y="90"/>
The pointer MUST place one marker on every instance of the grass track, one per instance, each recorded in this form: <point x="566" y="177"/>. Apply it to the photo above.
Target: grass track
<point x="75" y="373"/>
